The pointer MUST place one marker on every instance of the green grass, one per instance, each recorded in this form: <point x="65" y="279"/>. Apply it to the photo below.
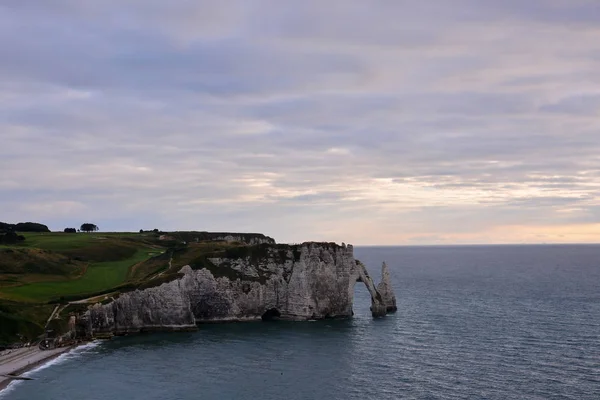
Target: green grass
<point x="87" y="247"/>
<point x="56" y="267"/>
<point x="98" y="277"/>
<point x="49" y="268"/>
<point x="58" y="241"/>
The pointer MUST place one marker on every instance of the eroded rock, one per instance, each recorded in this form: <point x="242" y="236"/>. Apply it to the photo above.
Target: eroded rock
<point x="385" y="289"/>
<point x="302" y="282"/>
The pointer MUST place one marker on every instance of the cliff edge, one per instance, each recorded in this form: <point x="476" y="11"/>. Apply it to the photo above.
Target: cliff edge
<point x="267" y="281"/>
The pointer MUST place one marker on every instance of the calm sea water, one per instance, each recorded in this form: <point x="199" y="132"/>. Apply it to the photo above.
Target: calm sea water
<point x="485" y="322"/>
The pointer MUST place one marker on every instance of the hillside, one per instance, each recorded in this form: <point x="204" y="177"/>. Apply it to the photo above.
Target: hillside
<point x="50" y="269"/>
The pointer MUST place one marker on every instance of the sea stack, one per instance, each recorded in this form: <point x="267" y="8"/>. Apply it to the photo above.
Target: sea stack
<point x="385" y="288"/>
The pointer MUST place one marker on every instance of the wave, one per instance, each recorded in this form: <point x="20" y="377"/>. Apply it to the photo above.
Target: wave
<point x="69" y="355"/>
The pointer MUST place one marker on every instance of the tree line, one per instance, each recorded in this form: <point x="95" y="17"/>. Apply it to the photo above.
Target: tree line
<point x="85" y="227"/>
<point x="8" y="232"/>
<point x="23" y="227"/>
<point x="9" y="235"/>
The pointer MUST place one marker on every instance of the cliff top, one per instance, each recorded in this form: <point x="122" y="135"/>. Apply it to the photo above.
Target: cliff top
<point x="46" y="269"/>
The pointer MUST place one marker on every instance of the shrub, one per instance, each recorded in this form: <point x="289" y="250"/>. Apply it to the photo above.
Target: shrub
<point x="11" y="238"/>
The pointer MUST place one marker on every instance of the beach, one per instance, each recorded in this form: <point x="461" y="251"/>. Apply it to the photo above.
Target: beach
<point x="19" y="361"/>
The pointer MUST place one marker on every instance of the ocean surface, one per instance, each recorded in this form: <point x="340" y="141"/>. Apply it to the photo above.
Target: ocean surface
<point x="473" y="322"/>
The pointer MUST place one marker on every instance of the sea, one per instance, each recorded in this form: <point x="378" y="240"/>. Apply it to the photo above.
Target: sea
<point x="473" y="322"/>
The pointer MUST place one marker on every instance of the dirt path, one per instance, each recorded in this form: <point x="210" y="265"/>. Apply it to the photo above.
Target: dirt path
<point x="168" y="269"/>
<point x="53" y="314"/>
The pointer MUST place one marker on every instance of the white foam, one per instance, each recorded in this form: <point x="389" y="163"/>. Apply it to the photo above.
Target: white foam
<point x="74" y="353"/>
<point x="9" y="388"/>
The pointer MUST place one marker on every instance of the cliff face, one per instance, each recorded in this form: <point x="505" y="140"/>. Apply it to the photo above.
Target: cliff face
<point x="308" y="281"/>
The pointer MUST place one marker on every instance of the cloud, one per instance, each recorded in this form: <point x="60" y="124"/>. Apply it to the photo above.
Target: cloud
<point x="579" y="105"/>
<point x="402" y="123"/>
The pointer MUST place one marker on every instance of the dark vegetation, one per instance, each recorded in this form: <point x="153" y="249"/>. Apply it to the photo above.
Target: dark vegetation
<point x="21" y="322"/>
<point x="70" y="230"/>
<point x="14" y="327"/>
<point x="11" y="238"/>
<point x="23" y="227"/>
<point x="36" y="261"/>
<point x="155" y="230"/>
<point x="9" y="232"/>
<point x="104" y="250"/>
<point x="89" y="227"/>
<point x="193" y="236"/>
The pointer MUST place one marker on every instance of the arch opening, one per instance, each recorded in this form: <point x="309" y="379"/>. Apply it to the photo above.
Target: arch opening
<point x="271" y="314"/>
<point x="377" y="308"/>
<point x="361" y="300"/>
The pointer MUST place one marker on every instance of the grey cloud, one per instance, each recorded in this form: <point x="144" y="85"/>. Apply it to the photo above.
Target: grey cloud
<point x="562" y="11"/>
<point x="303" y="121"/>
<point x="582" y="105"/>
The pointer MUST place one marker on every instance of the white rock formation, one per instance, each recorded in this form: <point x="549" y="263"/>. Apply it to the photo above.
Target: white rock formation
<point x="308" y="281"/>
<point x="385" y="289"/>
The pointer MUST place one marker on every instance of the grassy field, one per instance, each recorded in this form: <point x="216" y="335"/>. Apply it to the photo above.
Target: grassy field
<point x="48" y="268"/>
<point x="58" y="241"/>
<point x="98" y="277"/>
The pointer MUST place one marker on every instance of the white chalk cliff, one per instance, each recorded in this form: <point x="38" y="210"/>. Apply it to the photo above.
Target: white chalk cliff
<point x="301" y="282"/>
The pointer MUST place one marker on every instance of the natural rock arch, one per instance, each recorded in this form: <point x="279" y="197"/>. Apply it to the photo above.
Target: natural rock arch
<point x="287" y="282"/>
<point x="383" y="299"/>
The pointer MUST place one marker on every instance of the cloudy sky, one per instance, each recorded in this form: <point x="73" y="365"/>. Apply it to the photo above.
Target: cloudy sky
<point x="368" y="122"/>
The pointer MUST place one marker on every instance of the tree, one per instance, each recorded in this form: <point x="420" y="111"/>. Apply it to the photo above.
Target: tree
<point x="88" y="227"/>
<point x="70" y="230"/>
<point x="4" y="227"/>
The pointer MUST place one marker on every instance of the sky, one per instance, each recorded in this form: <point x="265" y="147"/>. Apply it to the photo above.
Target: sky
<point x="385" y="122"/>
